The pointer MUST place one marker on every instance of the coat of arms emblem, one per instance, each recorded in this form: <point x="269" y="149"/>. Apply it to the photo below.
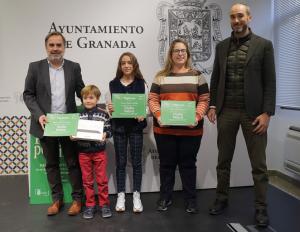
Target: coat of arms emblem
<point x="194" y="21"/>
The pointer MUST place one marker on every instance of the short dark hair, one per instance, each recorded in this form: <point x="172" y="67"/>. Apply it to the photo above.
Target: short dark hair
<point x="243" y="4"/>
<point x="55" y="33"/>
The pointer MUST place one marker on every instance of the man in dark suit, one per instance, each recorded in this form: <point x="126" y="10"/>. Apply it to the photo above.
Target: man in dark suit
<point x="243" y="91"/>
<point x="50" y="87"/>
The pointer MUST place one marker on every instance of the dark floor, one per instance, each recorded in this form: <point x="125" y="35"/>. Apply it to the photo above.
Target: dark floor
<point x="16" y="215"/>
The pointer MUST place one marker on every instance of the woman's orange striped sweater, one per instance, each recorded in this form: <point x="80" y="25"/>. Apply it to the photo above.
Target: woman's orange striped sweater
<point x="190" y="86"/>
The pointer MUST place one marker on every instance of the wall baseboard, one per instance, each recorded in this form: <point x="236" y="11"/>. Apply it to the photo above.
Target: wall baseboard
<point x="284" y="176"/>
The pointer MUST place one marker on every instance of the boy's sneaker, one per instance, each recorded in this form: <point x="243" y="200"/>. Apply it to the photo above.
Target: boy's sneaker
<point x="137" y="203"/>
<point x="120" y="206"/>
<point x="105" y="211"/>
<point x="89" y="212"/>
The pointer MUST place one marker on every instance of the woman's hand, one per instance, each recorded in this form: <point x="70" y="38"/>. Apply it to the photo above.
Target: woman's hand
<point x="159" y="121"/>
<point x="72" y="138"/>
<point x="195" y="124"/>
<point x="110" y="107"/>
<point x="140" y="118"/>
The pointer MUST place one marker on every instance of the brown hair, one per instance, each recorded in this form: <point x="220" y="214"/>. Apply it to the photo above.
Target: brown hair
<point x="136" y="67"/>
<point x="90" y="89"/>
<point x="169" y="62"/>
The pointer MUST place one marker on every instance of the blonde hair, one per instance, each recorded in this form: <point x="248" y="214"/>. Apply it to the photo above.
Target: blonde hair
<point x="169" y="62"/>
<point x="90" y="89"/>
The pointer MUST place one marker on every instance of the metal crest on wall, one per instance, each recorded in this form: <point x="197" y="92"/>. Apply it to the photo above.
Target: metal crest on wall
<point x="194" y="21"/>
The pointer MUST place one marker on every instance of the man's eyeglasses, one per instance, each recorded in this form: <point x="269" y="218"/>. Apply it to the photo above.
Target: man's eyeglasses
<point x="177" y="51"/>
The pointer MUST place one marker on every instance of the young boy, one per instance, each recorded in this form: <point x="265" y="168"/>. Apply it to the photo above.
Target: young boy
<point x="92" y="155"/>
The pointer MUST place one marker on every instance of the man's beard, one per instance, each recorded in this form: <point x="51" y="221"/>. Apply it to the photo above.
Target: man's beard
<point x="240" y="29"/>
<point x="55" y="57"/>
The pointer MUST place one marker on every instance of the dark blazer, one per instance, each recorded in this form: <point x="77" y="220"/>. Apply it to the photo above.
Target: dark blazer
<point x="37" y="91"/>
<point x="259" y="77"/>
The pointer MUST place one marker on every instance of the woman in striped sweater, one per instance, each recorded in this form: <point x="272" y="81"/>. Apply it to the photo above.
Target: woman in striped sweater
<point x="178" y="145"/>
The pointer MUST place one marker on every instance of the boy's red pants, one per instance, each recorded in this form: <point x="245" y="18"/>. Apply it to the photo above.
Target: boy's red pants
<point x="93" y="166"/>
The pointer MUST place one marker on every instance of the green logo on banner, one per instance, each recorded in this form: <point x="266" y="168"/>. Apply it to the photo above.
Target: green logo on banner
<point x="40" y="192"/>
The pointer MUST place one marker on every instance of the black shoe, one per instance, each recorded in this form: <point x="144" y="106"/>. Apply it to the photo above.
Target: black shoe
<point x="162" y="205"/>
<point x="191" y="207"/>
<point x="218" y="207"/>
<point x="261" y="217"/>
<point x="89" y="212"/>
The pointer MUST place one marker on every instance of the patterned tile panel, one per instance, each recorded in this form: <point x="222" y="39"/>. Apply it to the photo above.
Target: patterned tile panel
<point x="13" y="145"/>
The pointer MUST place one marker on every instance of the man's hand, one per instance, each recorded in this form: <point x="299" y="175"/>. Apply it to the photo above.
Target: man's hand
<point x="211" y="115"/>
<point x="261" y="123"/>
<point x="43" y="120"/>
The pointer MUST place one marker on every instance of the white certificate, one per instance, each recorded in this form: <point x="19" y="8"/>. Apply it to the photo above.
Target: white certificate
<point x="89" y="130"/>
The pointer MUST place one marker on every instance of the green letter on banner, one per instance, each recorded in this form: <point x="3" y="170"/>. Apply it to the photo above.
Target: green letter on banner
<point x="39" y="191"/>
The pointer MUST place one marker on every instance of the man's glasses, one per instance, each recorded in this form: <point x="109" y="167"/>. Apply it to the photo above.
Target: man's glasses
<point x="177" y="51"/>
